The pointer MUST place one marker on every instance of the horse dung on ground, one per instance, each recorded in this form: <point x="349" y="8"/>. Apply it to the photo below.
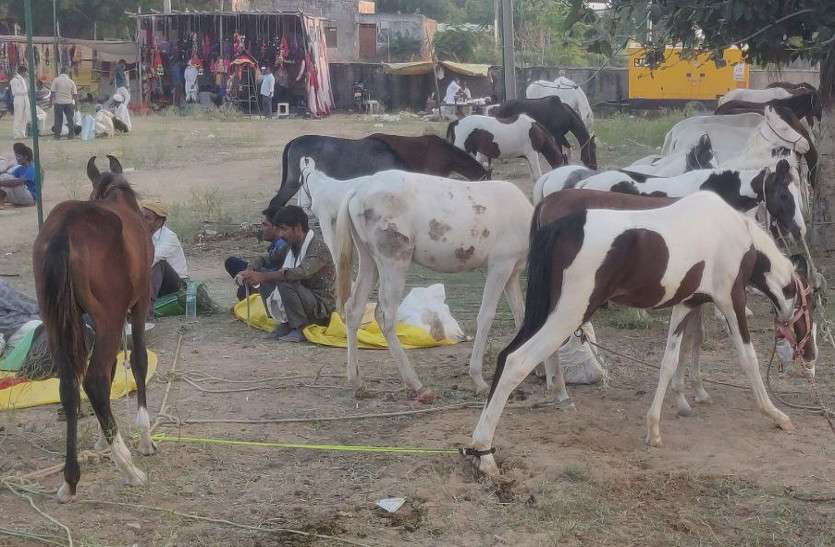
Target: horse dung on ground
<point x="94" y="257"/>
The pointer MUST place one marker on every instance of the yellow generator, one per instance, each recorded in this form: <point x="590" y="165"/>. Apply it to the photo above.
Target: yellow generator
<point x="680" y="79"/>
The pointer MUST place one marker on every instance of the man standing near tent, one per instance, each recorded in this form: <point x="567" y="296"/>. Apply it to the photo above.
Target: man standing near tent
<point x="267" y="91"/>
<point x="191" y="83"/>
<point x="20" y="94"/>
<point x="63" y="97"/>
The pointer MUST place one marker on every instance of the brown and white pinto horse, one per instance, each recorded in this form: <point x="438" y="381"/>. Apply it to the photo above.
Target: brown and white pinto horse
<point x="94" y="257"/>
<point x="520" y="136"/>
<point x="648" y="259"/>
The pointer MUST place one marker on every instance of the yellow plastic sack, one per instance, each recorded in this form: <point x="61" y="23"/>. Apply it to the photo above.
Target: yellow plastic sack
<point x="257" y="316"/>
<point x="369" y="336"/>
<point x="335" y="334"/>
<point x="43" y="392"/>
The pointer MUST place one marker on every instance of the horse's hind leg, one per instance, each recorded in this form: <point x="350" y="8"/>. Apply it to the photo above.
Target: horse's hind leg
<point x="668" y="369"/>
<point x="392" y="281"/>
<point x="497" y="279"/>
<point x="354" y="309"/>
<point x="70" y="399"/>
<point x="139" y="365"/>
<point x="533" y="164"/>
<point x="97" y="386"/>
<point x="692" y="329"/>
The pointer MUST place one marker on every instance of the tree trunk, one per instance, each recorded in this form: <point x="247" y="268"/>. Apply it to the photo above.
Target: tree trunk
<point x="822" y="235"/>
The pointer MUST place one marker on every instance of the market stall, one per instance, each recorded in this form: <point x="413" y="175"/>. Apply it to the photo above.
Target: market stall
<point x="229" y="51"/>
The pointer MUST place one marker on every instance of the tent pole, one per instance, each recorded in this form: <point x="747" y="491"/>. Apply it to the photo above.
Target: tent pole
<point x="33" y="107"/>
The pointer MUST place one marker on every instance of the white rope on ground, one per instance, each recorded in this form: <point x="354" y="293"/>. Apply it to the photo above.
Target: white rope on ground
<point x="47" y="516"/>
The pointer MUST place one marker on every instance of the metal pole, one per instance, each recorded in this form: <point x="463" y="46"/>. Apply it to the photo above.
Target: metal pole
<point x="508" y="52"/>
<point x="55" y="37"/>
<point x="33" y="107"/>
<point x="139" y="57"/>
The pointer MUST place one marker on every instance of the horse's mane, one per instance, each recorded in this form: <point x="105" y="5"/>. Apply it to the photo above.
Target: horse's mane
<point x="692" y="160"/>
<point x="781" y="266"/>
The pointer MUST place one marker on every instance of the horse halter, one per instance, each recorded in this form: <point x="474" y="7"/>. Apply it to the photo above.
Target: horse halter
<point x="802" y="314"/>
<point x="779" y="136"/>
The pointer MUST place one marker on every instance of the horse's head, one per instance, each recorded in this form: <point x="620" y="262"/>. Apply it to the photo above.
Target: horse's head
<point x="796" y="327"/>
<point x="781" y="194"/>
<point x="104" y="184"/>
<point x="781" y="127"/>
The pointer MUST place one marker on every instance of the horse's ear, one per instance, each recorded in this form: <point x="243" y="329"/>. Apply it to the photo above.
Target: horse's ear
<point x="92" y="171"/>
<point x="704" y="140"/>
<point x="800" y="264"/>
<point x="115" y="166"/>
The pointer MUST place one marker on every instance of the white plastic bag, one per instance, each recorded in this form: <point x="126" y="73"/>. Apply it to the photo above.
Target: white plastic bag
<point x="579" y="365"/>
<point x="88" y="128"/>
<point x="426" y="308"/>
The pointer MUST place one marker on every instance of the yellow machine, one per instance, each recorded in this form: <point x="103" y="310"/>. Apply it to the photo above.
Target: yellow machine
<point x="677" y="79"/>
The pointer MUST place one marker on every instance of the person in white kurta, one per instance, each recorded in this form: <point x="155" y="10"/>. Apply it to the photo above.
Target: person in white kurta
<point x="22" y="113"/>
<point x="191" y="83"/>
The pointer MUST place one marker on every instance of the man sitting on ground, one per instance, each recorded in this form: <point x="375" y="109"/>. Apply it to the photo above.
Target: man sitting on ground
<point x="20" y="190"/>
<point x="170" y="269"/>
<point x="273" y="260"/>
<point x="304" y="291"/>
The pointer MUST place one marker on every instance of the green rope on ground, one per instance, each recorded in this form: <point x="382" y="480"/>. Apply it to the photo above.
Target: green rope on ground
<point x="161" y="437"/>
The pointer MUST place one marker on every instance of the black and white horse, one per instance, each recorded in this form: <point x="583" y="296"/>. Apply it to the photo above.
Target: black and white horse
<point x="744" y="190"/>
<point x="650" y="259"/>
<point x="487" y="138"/>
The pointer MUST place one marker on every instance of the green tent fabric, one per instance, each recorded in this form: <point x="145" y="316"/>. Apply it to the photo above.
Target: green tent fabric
<point x="14" y="359"/>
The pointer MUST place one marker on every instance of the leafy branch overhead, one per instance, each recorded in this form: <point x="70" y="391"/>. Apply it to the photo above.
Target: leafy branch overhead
<point x="772" y="31"/>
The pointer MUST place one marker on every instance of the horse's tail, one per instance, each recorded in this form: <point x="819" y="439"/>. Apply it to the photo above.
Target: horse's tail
<point x="534" y="221"/>
<point x="59" y="309"/>
<point x="345" y="252"/>
<point x="538" y="297"/>
<point x="450" y="131"/>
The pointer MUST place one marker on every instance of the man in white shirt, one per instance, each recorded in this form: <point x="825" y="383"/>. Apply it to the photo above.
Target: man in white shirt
<point x="63" y="97"/>
<point x="192" y="87"/>
<point x="169" y="270"/>
<point x="20" y="93"/>
<point x="451" y="91"/>
<point x="267" y="90"/>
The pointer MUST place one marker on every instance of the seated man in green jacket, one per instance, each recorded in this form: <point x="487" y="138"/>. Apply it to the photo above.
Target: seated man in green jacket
<point x="304" y="292"/>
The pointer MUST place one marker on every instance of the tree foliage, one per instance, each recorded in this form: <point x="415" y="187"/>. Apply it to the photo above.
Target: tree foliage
<point x="772" y="31"/>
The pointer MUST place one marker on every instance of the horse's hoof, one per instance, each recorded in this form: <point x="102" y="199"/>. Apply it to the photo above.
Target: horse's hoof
<point x="566" y="404"/>
<point x="487" y="465"/>
<point x="786" y="425"/>
<point x="63" y="495"/>
<point x="686" y="412"/>
<point x="136" y="478"/>
<point x="148" y="448"/>
<point x="425" y="396"/>
<point x="653" y="441"/>
<point x="703" y="399"/>
<point x="481" y="386"/>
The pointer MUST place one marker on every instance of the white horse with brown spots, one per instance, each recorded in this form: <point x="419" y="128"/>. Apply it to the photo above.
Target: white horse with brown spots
<point x="396" y="218"/>
<point x="487" y="138"/>
<point x="666" y="257"/>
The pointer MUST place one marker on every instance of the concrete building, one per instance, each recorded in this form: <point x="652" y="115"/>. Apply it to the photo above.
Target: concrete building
<point x="355" y="32"/>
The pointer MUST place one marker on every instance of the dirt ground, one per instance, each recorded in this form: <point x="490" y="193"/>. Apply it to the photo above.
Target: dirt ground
<point x="725" y="476"/>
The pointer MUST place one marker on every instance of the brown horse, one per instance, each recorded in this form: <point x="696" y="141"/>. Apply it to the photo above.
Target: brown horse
<point x="94" y="257"/>
<point x="433" y="155"/>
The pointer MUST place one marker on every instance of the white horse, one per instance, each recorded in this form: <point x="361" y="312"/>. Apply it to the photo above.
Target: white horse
<point x="489" y="138"/>
<point x="755" y="95"/>
<point x="568" y="91"/>
<point x="395" y="218"/>
<point x="731" y="133"/>
<point x="658" y="258"/>
<point x="700" y="156"/>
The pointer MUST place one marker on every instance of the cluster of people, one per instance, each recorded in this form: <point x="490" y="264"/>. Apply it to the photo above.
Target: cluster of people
<point x="295" y="278"/>
<point x="17" y="180"/>
<point x="110" y="117"/>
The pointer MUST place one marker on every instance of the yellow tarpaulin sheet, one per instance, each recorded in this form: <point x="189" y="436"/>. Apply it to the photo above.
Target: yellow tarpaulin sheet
<point x="417" y="68"/>
<point x="335" y="334"/>
<point x="44" y="392"/>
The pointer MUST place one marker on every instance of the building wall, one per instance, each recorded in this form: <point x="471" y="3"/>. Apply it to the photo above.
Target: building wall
<point x="391" y="25"/>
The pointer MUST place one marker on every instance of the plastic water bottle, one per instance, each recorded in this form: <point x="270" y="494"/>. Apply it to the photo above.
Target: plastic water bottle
<point x="191" y="301"/>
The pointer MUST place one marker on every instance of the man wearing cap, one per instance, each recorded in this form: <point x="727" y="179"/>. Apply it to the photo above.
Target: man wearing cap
<point x="267" y="90"/>
<point x="63" y="97"/>
<point x="169" y="269"/>
<point x="20" y="190"/>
